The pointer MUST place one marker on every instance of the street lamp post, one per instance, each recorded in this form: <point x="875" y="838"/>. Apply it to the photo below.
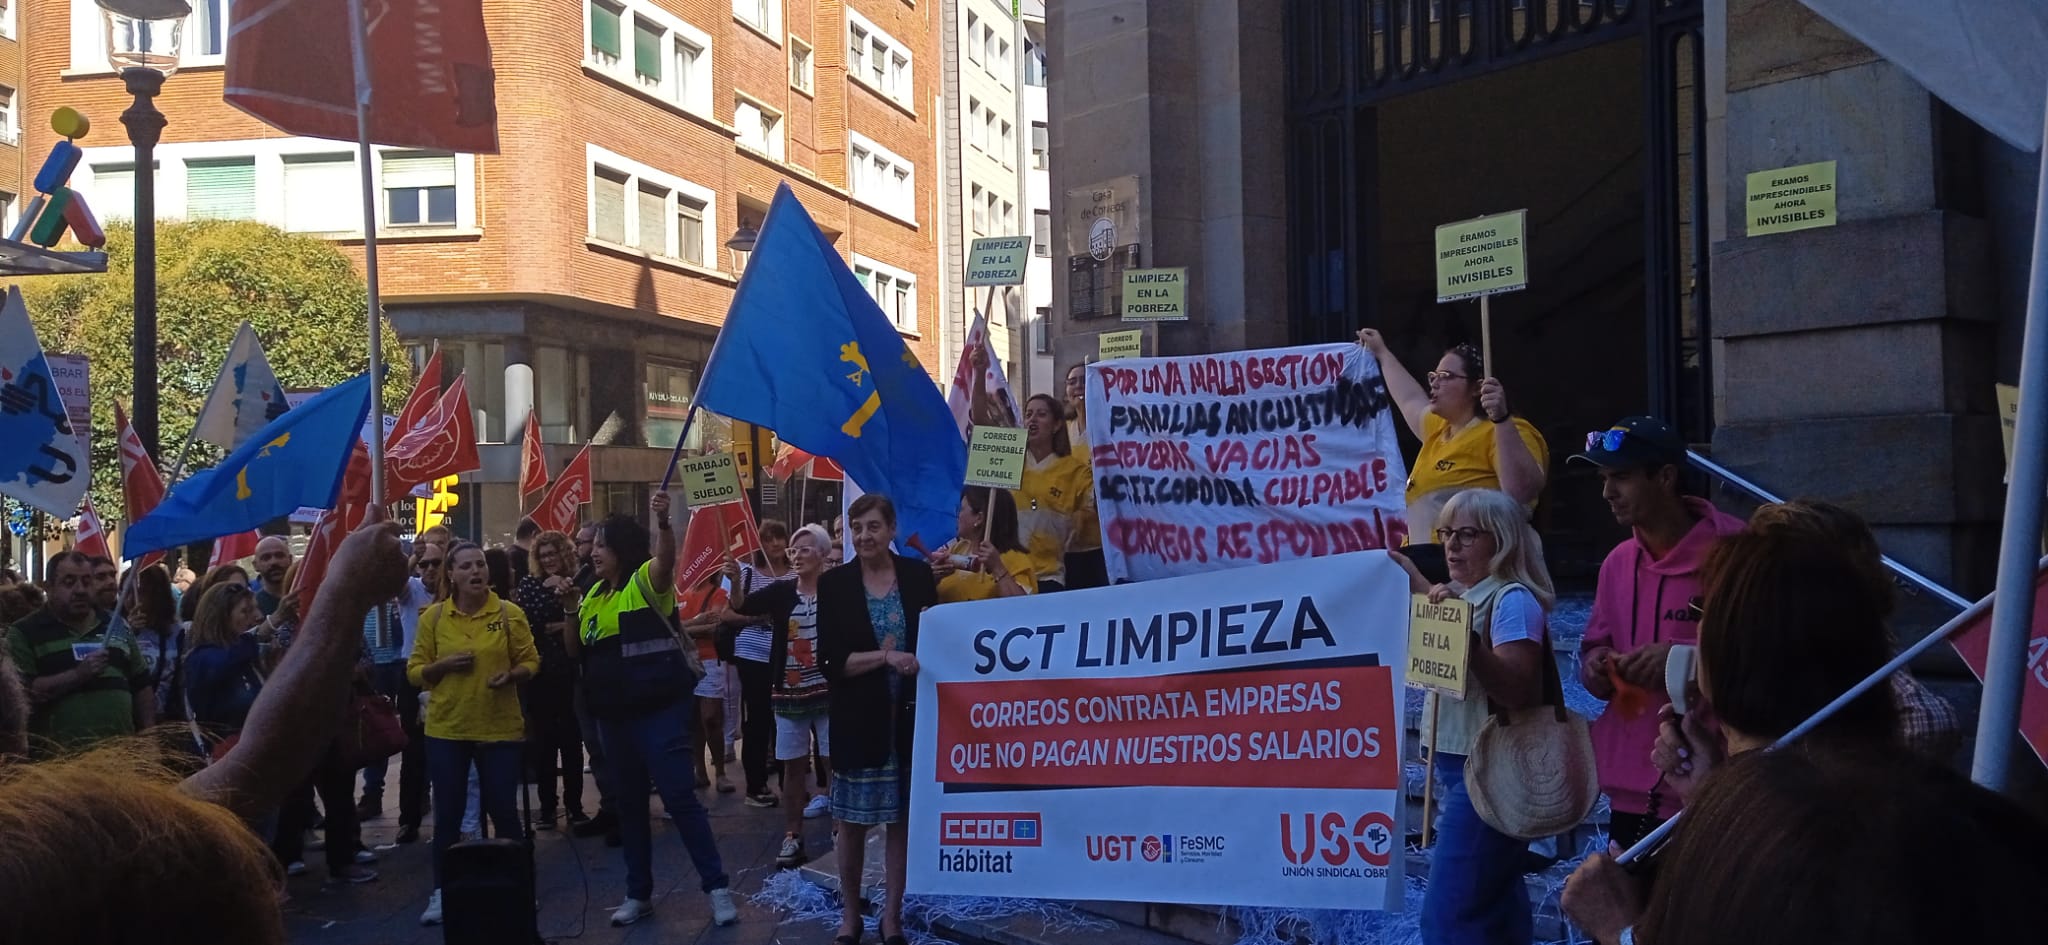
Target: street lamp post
<point x="742" y="246"/>
<point x="143" y="40"/>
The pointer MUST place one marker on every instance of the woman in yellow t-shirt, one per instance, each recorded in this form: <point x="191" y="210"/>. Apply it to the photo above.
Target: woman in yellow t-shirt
<point x="1469" y="438"/>
<point x="973" y="569"/>
<point x="1057" y="491"/>
<point x="1085" y="567"/>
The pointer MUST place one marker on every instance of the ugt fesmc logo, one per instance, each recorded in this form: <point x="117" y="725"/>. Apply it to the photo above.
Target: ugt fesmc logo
<point x="978" y="829"/>
<point x="1333" y="844"/>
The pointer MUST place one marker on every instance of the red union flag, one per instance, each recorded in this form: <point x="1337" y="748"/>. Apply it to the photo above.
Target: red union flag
<point x="228" y="549"/>
<point x="533" y="464"/>
<point x="142" y="487"/>
<point x="442" y="444"/>
<point x="92" y="539"/>
<point x="333" y="526"/>
<point x="290" y="64"/>
<point x="426" y="391"/>
<point x="1973" y="641"/>
<point x="717" y="534"/>
<point x="557" y="512"/>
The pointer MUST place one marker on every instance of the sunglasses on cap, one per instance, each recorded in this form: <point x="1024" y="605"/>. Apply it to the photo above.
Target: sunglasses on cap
<point x="1608" y="440"/>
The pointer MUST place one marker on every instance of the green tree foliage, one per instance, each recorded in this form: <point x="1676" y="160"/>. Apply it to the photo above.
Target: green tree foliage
<point x="301" y="294"/>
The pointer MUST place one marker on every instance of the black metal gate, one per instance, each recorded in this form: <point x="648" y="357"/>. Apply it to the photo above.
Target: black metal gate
<point x="1346" y="56"/>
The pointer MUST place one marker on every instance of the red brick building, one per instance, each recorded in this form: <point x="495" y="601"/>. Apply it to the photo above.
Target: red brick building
<point x="583" y="270"/>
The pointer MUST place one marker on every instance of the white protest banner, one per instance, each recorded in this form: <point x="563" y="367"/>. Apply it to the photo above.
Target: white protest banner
<point x="1229" y="738"/>
<point x="1243" y="457"/>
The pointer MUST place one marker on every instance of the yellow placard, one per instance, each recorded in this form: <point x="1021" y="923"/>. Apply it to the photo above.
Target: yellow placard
<point x="2008" y="418"/>
<point x="995" y="457"/>
<point x="1485" y="256"/>
<point x="1121" y="344"/>
<point x="709" y="480"/>
<point x="998" y="260"/>
<point x="1156" y="295"/>
<point x="1439" y="636"/>
<point x="1791" y="198"/>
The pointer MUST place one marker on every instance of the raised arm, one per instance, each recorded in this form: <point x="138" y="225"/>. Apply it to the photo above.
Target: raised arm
<point x="294" y="716"/>
<point x="662" y="573"/>
<point x="1411" y="397"/>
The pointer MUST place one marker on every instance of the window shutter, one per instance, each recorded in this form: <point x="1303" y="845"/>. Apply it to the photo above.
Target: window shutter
<point x="604" y="28"/>
<point x="609" y="190"/>
<point x="410" y="170"/>
<point x="318" y="192"/>
<point x="689" y="230"/>
<point x="221" y="189"/>
<point x="654" y="220"/>
<point x="646" y="49"/>
<point x="113" y="191"/>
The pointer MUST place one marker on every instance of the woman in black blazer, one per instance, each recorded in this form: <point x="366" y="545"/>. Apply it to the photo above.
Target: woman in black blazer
<point x="868" y="612"/>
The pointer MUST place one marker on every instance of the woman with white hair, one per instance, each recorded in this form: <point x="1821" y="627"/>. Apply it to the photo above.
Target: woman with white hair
<point x="1475" y="894"/>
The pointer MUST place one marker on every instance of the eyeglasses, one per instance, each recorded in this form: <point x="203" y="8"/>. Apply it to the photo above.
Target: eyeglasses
<point x="430" y="563"/>
<point x="1607" y="440"/>
<point x="1436" y="377"/>
<point x="1464" y="536"/>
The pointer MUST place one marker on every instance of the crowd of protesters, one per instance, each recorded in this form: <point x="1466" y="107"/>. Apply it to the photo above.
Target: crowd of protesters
<point x="524" y="664"/>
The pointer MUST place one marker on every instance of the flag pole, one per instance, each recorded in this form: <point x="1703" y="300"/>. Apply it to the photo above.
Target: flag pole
<point x="359" y="41"/>
<point x="677" y="455"/>
<point x="2005" y="656"/>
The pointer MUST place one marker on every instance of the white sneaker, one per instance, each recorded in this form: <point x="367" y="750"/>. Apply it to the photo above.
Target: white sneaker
<point x="433" y="914"/>
<point x="295" y="868"/>
<point x="631" y="911"/>
<point x="723" y="910"/>
<point x="365" y="856"/>
<point x="820" y="806"/>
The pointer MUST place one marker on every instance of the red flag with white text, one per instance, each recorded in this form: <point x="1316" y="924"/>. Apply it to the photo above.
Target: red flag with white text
<point x="92" y="537"/>
<point x="533" y="462"/>
<point x="1973" y="642"/>
<point x="290" y="63"/>
<point x="228" y="549"/>
<point x="442" y="444"/>
<point x="716" y="534"/>
<point x="558" y="512"/>
<point x="142" y="487"/>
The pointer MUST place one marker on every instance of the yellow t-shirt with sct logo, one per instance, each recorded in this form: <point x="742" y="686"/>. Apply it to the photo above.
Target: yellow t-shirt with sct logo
<point x="1056" y="493"/>
<point x="1445" y="468"/>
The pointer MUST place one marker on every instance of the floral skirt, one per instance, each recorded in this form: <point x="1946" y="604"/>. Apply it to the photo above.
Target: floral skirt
<point x="870" y="795"/>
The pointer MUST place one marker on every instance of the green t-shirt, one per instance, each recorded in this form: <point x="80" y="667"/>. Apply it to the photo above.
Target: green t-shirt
<point x="104" y="707"/>
<point x="599" y="616"/>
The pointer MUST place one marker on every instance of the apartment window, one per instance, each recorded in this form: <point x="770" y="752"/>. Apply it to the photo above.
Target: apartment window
<point x="6" y="210"/>
<point x="222" y="189"/>
<point x="1041" y="232"/>
<point x="988" y="46"/>
<point x="1034" y="64"/>
<point x="690" y="229"/>
<point x="8" y="133"/>
<point x="317" y="188"/>
<point x="881" y="179"/>
<point x="974" y="131"/>
<point x="974" y="199"/>
<point x="1003" y="68"/>
<point x="800" y="69"/>
<point x="606" y="20"/>
<point x="760" y="127"/>
<point x="608" y="197"/>
<point x="973" y="39"/>
<point x="653" y="229"/>
<point x="1041" y="148"/>
<point x="208" y="28"/>
<point x="763" y="15"/>
<point x="1009" y="145"/>
<point x="878" y="61"/>
<point x="1009" y="218"/>
<point x="647" y="51"/>
<point x="419" y="189"/>
<point x="693" y="84"/>
<point x="7" y="18"/>
<point x="894" y="290"/>
<point x="113" y="191"/>
<point x="1041" y="331"/>
<point x="991" y="213"/>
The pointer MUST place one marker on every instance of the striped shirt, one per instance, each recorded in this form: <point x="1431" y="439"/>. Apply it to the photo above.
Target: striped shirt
<point x="756" y="641"/>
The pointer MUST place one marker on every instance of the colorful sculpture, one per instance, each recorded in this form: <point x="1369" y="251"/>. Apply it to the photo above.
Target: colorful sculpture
<point x="56" y="207"/>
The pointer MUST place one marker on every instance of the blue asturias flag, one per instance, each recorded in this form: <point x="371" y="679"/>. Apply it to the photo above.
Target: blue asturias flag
<point x="42" y="459"/>
<point x="806" y="352"/>
<point x="296" y="460"/>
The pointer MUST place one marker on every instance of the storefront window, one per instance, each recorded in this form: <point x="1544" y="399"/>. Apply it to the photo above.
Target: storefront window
<point x="670" y="389"/>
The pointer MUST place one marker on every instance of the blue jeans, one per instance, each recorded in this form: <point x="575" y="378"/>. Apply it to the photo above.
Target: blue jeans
<point x="1475" y="895"/>
<point x="498" y="767"/>
<point x="657" y="745"/>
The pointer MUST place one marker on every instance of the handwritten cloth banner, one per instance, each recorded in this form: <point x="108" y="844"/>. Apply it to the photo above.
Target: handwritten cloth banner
<point x="1245" y="457"/>
<point x="1225" y="738"/>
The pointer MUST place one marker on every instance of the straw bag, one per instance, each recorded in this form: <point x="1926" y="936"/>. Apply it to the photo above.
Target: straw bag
<point x="1531" y="773"/>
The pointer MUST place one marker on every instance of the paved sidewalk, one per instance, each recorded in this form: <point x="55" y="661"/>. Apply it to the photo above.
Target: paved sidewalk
<point x="579" y="883"/>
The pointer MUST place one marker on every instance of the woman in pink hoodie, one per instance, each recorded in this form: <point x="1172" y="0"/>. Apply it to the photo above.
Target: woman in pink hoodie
<point x="1643" y="605"/>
